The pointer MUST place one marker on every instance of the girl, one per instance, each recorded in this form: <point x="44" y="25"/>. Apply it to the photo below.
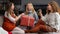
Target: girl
<point x="10" y="20"/>
<point x="51" y="19"/>
<point x="31" y="12"/>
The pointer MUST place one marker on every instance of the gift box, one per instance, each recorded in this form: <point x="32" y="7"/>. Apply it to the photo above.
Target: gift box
<point x="27" y="21"/>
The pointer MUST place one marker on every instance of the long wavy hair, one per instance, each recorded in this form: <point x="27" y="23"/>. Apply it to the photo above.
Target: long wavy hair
<point x="55" y="6"/>
<point x="27" y="8"/>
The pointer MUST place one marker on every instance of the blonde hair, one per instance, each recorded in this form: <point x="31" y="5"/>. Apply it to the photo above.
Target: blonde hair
<point x="54" y="6"/>
<point x="27" y="8"/>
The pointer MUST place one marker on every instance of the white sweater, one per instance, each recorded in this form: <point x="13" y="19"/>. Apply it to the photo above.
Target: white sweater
<point x="52" y="19"/>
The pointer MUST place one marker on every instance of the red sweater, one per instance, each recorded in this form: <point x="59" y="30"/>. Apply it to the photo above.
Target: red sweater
<point x="8" y="25"/>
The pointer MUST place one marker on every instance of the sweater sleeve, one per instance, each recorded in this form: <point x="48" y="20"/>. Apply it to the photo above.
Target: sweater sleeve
<point x="44" y="18"/>
<point x="57" y="21"/>
<point x="10" y="17"/>
<point x="36" y="17"/>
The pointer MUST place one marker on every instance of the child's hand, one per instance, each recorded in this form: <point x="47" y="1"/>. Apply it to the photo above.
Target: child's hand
<point x="40" y="12"/>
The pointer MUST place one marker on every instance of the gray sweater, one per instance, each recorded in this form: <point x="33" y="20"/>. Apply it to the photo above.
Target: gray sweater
<point x="34" y="15"/>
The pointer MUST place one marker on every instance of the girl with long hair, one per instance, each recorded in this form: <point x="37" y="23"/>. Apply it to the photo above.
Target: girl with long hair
<point x="10" y="20"/>
<point x="30" y="11"/>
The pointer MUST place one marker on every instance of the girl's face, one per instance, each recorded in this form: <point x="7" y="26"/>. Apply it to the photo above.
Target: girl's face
<point x="29" y="7"/>
<point x="12" y="7"/>
<point x="49" y="7"/>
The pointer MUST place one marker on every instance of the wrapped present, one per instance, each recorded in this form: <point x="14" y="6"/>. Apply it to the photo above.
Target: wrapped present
<point x="27" y="21"/>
